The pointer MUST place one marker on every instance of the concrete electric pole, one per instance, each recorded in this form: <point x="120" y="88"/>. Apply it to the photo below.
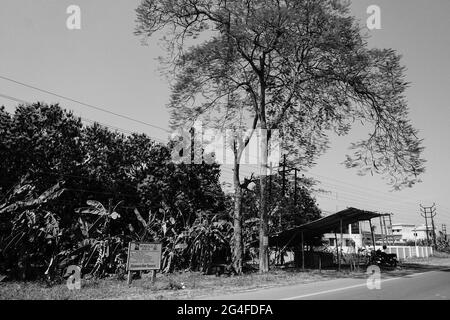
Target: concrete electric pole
<point x="431" y="213"/>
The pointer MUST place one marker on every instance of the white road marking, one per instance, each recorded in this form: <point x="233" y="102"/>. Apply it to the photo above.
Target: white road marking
<point x="350" y="287"/>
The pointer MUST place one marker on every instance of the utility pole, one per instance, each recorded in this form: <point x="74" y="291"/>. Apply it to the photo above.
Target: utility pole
<point x="429" y="212"/>
<point x="423" y="213"/>
<point x="390" y="224"/>
<point x="284" y="186"/>
<point x="433" y="214"/>
<point x="270" y="184"/>
<point x="284" y="175"/>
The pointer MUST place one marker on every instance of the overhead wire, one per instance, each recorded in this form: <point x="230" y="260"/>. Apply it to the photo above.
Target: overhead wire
<point x="345" y="185"/>
<point x="84" y="104"/>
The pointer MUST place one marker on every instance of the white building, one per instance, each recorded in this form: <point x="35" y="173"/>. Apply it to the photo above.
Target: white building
<point x="404" y="232"/>
<point x="353" y="238"/>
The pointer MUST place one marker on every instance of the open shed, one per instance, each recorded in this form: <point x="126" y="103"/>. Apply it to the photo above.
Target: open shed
<point x="312" y="231"/>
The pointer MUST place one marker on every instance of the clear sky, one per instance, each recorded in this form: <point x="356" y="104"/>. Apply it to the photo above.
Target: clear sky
<point x="105" y="65"/>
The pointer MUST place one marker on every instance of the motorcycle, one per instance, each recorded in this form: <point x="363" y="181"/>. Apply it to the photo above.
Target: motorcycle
<point x="383" y="259"/>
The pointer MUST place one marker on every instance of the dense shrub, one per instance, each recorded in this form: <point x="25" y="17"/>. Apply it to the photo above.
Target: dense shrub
<point x="74" y="194"/>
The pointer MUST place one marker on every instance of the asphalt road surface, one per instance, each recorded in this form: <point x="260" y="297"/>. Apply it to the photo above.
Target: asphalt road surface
<point x="429" y="285"/>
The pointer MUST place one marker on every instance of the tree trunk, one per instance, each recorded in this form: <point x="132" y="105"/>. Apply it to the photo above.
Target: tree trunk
<point x="263" y="142"/>
<point x="264" y="221"/>
<point x="237" y="222"/>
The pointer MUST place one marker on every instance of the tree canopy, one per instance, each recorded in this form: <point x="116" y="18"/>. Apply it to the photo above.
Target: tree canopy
<point x="302" y="67"/>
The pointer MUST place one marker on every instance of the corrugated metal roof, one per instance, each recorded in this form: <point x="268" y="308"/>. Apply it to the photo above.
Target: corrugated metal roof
<point x="317" y="228"/>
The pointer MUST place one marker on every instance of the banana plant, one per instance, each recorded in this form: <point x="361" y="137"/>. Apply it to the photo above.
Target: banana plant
<point x="209" y="239"/>
<point x="98" y="249"/>
<point x="31" y="229"/>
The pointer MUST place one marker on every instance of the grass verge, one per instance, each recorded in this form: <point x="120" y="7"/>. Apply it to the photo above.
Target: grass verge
<point x="195" y="284"/>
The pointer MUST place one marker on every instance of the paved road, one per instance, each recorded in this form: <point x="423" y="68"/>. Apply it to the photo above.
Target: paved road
<point x="430" y="285"/>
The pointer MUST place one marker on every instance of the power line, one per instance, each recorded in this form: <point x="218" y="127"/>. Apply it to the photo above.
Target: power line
<point x="366" y="198"/>
<point x="13" y="99"/>
<point x="140" y="122"/>
<point x="360" y="191"/>
<point x="407" y="204"/>
<point x="93" y="121"/>
<point x="83" y="103"/>
<point x="352" y="201"/>
<point x="376" y="207"/>
<point x="370" y="198"/>
<point x="363" y="201"/>
<point x="223" y="169"/>
<point x="404" y="207"/>
<point x="86" y="120"/>
<point x="83" y="118"/>
<point x="359" y="188"/>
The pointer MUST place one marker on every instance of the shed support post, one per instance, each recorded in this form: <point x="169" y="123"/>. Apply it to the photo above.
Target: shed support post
<point x="382" y="232"/>
<point x="371" y="232"/>
<point x="129" y="277"/>
<point x="342" y="240"/>
<point x="303" y="252"/>
<point x="337" y="251"/>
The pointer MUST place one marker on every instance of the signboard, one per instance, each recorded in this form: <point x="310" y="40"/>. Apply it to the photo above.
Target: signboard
<point x="144" y="256"/>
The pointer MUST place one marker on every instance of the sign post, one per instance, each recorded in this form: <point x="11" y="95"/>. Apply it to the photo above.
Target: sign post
<point x="143" y="257"/>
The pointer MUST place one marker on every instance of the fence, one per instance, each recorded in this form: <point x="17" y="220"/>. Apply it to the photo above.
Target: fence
<point x="409" y="252"/>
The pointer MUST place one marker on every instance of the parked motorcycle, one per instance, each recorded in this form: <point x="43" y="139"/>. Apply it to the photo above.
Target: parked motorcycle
<point x="383" y="259"/>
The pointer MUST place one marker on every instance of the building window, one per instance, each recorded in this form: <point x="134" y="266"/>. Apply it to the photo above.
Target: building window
<point x="355" y="228"/>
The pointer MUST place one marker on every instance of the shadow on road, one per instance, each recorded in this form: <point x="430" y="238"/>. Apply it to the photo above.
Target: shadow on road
<point x="403" y="270"/>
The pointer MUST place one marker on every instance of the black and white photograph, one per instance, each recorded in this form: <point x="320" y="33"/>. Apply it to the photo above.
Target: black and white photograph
<point x="224" y="157"/>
